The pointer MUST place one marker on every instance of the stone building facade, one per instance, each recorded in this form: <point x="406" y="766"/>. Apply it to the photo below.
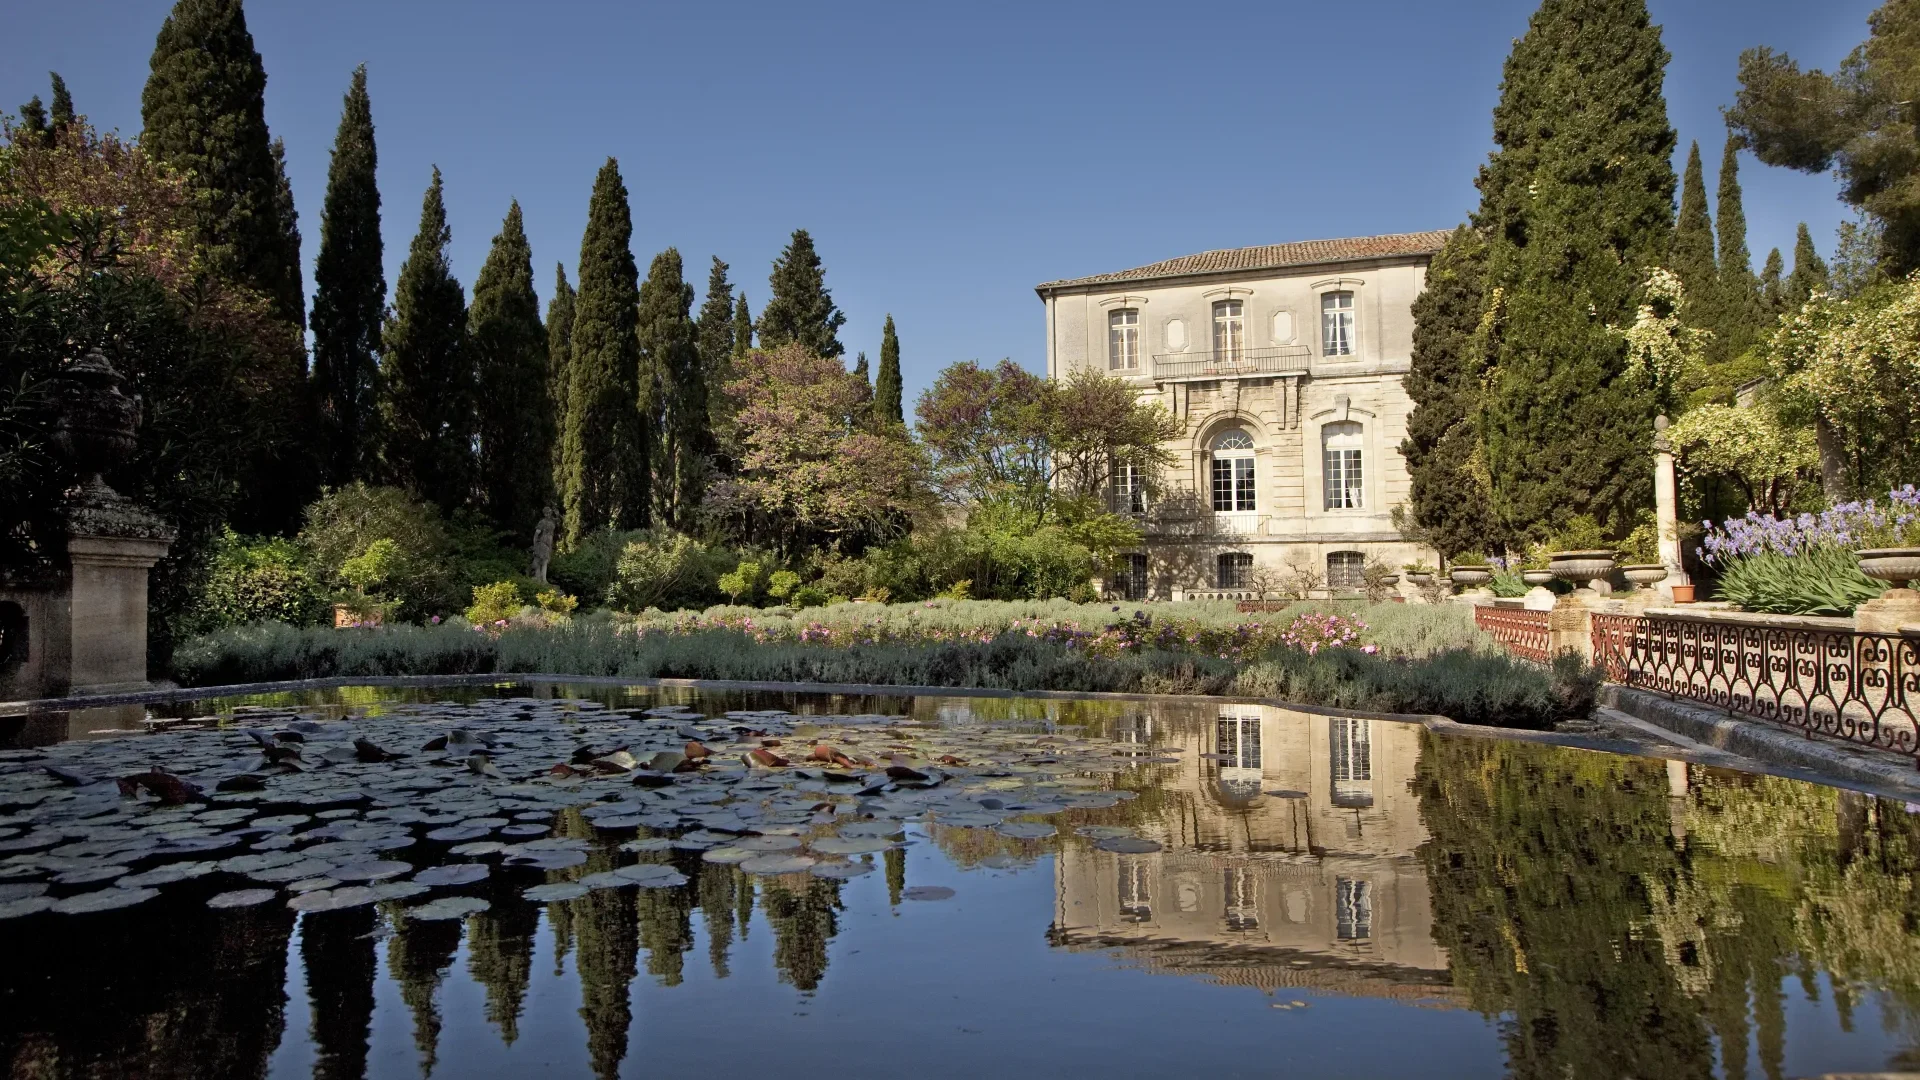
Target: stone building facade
<point x="1285" y="363"/>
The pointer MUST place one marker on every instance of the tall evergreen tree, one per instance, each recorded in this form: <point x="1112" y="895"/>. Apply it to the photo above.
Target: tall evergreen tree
<point x="1773" y="294"/>
<point x="1692" y="257"/>
<point x="204" y="112"/>
<point x="289" y="294"/>
<point x="1578" y="201"/>
<point x="1809" y="272"/>
<point x="426" y="406"/>
<point x="1449" y="498"/>
<point x="62" y="102"/>
<point x="887" y="389"/>
<point x="559" y="363"/>
<point x="33" y="119"/>
<point x="742" y="327"/>
<point x="801" y="309"/>
<point x="1737" y="306"/>
<point x="513" y="415"/>
<point x="349" y="297"/>
<point x="715" y="325"/>
<point x="861" y="371"/>
<point x="669" y="347"/>
<point x="604" y="466"/>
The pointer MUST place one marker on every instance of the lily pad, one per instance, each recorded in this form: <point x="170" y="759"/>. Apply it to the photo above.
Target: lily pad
<point x="726" y="856"/>
<point x="1103" y="832"/>
<point x="646" y="844"/>
<point x="777" y="864"/>
<point x="927" y="892"/>
<point x="371" y="871"/>
<point x="767" y="843"/>
<point x="449" y="907"/>
<point x="351" y="896"/>
<point x="26" y="905"/>
<point x="652" y="875"/>
<point x="92" y="875"/>
<point x="558" y="890"/>
<point x="457" y="874"/>
<point x="400" y="890"/>
<point x="840" y="871"/>
<point x="102" y="900"/>
<point x="312" y="884"/>
<point x="849" y="845"/>
<point x="1026" y="830"/>
<point x="21" y="890"/>
<point x="241" y="898"/>
<point x="476" y="848"/>
<point x="162" y="875"/>
<point x="1127" y="845"/>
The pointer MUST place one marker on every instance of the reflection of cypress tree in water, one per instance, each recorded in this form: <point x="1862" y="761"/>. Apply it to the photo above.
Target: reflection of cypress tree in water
<point x="1537" y="860"/>
<point x="166" y="990"/>
<point x="896" y="860"/>
<point x="604" y="926"/>
<point x="803" y="919"/>
<point x="666" y="929"/>
<point x="743" y="902"/>
<point x="500" y="956"/>
<point x="337" y="949"/>
<point x="715" y="884"/>
<point x="560" y="917"/>
<point x="419" y="951"/>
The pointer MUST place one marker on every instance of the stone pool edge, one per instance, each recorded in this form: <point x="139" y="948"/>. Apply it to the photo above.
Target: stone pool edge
<point x="1668" y="748"/>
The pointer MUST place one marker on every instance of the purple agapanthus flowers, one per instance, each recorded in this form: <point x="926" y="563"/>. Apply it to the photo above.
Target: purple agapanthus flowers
<point x="1853" y="525"/>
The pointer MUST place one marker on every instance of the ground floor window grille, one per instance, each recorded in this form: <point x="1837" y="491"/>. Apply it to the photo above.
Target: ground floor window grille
<point x="1352" y="909"/>
<point x="1133" y="576"/>
<point x="1243" y="899"/>
<point x="1346" y="570"/>
<point x="1232" y="569"/>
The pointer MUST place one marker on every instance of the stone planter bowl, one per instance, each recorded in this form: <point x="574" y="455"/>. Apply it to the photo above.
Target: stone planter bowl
<point x="1644" y="574"/>
<point x="1895" y="566"/>
<point x="1536" y="577"/>
<point x="1471" y="575"/>
<point x="1390" y="580"/>
<point x="1420" y="579"/>
<point x="1582" y="567"/>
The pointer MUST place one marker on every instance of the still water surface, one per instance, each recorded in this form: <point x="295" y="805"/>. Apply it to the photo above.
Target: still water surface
<point x="1334" y="897"/>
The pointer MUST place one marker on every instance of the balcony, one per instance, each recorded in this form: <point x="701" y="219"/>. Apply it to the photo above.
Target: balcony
<point x="1231" y="363"/>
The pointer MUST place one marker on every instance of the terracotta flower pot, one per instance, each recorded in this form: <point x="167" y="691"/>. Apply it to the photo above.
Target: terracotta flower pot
<point x="1683" y="594"/>
<point x="1895" y="566"/>
<point x="1471" y="575"/>
<point x="1645" y="573"/>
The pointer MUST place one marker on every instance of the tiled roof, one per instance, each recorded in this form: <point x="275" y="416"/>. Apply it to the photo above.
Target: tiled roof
<point x="1274" y="257"/>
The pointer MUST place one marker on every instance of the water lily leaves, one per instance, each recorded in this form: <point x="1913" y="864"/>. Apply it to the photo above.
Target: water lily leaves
<point x="1103" y="832"/>
<point x="1127" y="845"/>
<point x="767" y="843"/>
<point x="241" y="898"/>
<point x="606" y="879"/>
<point x="399" y="890"/>
<point x="927" y="892"/>
<point x="849" y="845"/>
<point x="727" y="856"/>
<point x="312" y="884"/>
<point x="159" y="875"/>
<point x="457" y="833"/>
<point x="525" y="829"/>
<point x="449" y="907"/>
<point x="319" y="900"/>
<point x="248" y="864"/>
<point x="26" y="905"/>
<point x="874" y="828"/>
<point x="372" y="871"/>
<point x="476" y="848"/>
<point x="559" y="890"/>
<point x="21" y="890"/>
<point x="91" y="875"/>
<point x="102" y="900"/>
<point x="840" y="871"/>
<point x="777" y="864"/>
<point x="965" y="820"/>
<point x="457" y="874"/>
<point x="1026" y="830"/>
<point x="652" y="875"/>
<point x="305" y="868"/>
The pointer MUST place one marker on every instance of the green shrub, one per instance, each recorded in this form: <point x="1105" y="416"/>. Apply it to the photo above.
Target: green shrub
<point x="663" y="569"/>
<point x="588" y="569"/>
<point x="492" y="603"/>
<point x="782" y="583"/>
<point x="741" y="582"/>
<point x="263" y="652"/>
<point x="416" y="570"/>
<point x="1821" y="580"/>
<point x="254" y="579"/>
<point x="555" y="602"/>
<point x="1467" y="686"/>
<point x="808" y="596"/>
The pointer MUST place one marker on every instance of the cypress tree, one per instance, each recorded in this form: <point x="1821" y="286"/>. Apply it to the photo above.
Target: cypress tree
<point x="715" y="325"/>
<point x="33" y="119"/>
<point x="204" y="112"/>
<point x="1738" y="315"/>
<point x="669" y="348"/>
<point x="861" y="371"/>
<point x="426" y="405"/>
<point x="1449" y="498"/>
<point x="1809" y="272"/>
<point x="1579" y="200"/>
<point x="559" y="356"/>
<point x="1692" y="257"/>
<point x="801" y="309"/>
<point x="604" y="466"/>
<point x="62" y="102"/>
<point x="886" y="385"/>
<point x="349" y="297"/>
<point x="1773" y="296"/>
<point x="513" y="415"/>
<point x="742" y="327"/>
<point x="288" y="294"/>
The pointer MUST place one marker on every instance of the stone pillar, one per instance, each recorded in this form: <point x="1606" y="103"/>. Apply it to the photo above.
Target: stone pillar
<point x="109" y="612"/>
<point x="1892" y="610"/>
<point x="1570" y="626"/>
<point x="1666" y="510"/>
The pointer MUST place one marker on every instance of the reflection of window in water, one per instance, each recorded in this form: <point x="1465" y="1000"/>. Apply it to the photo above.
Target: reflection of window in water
<point x="1136" y="901"/>
<point x="1136" y="729"/>
<point x="1352" y="909"/>
<point x="1243" y="899"/>
<point x="1237" y="740"/>
<point x="1350" y="758"/>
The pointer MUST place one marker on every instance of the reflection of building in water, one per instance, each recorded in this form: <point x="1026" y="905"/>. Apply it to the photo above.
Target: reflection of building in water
<point x="1289" y="859"/>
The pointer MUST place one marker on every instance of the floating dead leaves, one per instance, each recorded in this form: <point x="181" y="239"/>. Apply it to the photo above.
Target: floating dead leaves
<point x="927" y="892"/>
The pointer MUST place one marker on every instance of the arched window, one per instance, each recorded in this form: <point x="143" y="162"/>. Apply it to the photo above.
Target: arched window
<point x="1123" y="339"/>
<point x="1233" y="471"/>
<point x="1229" y="331"/>
<point x="1346" y="570"/>
<point x="1341" y="473"/>
<point x="1336" y="324"/>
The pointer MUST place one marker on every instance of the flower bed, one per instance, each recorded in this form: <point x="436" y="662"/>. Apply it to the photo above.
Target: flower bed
<point x="1805" y="565"/>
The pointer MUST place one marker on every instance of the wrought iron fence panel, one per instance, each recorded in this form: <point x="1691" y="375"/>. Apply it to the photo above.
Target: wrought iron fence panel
<point x="1842" y="683"/>
<point x="1524" y="633"/>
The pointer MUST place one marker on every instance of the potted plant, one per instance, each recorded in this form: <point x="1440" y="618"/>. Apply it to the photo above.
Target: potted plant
<point x="1419" y="573"/>
<point x="1533" y="566"/>
<point x="1640" y="556"/>
<point x="1576" y="555"/>
<point x="1894" y="556"/>
<point x="1476" y="570"/>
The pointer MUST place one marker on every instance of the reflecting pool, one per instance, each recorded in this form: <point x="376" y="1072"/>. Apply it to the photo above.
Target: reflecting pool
<point x="1228" y="889"/>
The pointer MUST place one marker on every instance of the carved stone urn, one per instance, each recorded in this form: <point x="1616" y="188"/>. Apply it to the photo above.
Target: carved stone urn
<point x="1895" y="566"/>
<point x="1583" y="568"/>
<point x="1471" y="576"/>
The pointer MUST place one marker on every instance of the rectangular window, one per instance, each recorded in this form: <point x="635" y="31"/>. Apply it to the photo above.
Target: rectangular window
<point x="1232" y="484"/>
<point x="1136" y="897"/>
<point x="1230" y="570"/>
<point x="1243" y="899"/>
<point x="1351" y="749"/>
<point x="1336" y="324"/>
<point x="1343" y="482"/>
<point x="1229" y="331"/>
<point x="1129" y="494"/>
<point x="1237" y="739"/>
<point x="1123" y="340"/>
<point x="1352" y="909"/>
<point x="1134" y="581"/>
<point x="1346" y="570"/>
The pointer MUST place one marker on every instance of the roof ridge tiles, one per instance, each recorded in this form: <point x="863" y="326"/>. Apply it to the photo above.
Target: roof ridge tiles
<point x="1273" y="257"/>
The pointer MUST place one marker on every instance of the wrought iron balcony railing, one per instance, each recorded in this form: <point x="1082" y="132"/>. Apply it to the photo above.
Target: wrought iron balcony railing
<point x="1231" y="363"/>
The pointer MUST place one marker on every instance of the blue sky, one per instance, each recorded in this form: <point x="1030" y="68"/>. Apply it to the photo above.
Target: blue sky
<point x="946" y="157"/>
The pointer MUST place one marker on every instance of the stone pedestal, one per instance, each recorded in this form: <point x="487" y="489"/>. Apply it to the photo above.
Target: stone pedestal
<point x="1539" y="598"/>
<point x="108" y="605"/>
<point x="1570" y="626"/>
<point x="1887" y="614"/>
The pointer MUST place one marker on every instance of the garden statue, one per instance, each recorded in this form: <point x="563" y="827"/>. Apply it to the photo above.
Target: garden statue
<point x="542" y="546"/>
